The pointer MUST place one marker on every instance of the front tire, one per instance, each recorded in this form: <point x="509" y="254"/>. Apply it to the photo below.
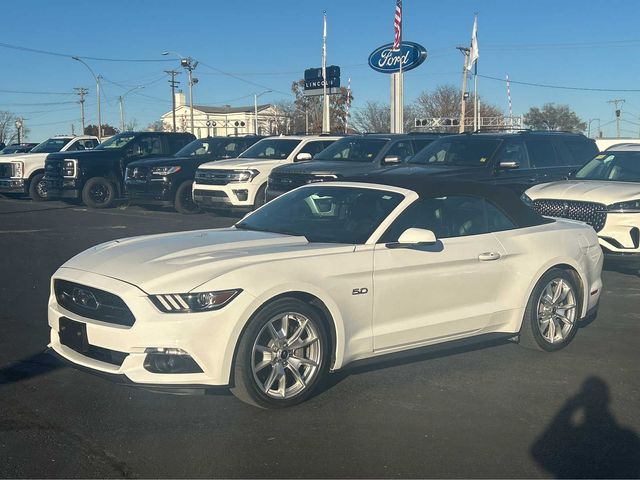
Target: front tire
<point x="551" y="317"/>
<point x="184" y="199"/>
<point x="260" y="197"/>
<point x="38" y="188"/>
<point x="282" y="356"/>
<point x="99" y="192"/>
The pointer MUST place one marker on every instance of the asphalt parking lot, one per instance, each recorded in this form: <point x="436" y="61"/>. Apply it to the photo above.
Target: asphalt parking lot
<point x="490" y="411"/>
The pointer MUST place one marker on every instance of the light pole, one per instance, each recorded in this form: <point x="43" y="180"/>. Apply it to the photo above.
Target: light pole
<point x="589" y="127"/>
<point x="19" y="129"/>
<point x="189" y="64"/>
<point x="97" y="79"/>
<point x="121" y="99"/>
<point x="255" y="108"/>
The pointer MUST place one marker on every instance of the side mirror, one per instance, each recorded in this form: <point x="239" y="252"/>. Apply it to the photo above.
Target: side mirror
<point x="303" y="156"/>
<point x="391" y="159"/>
<point x="414" y="237"/>
<point x="509" y="165"/>
<point x="571" y="174"/>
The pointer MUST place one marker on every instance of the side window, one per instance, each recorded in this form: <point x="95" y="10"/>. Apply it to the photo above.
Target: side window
<point x="581" y="151"/>
<point x="74" y="147"/>
<point x="313" y="148"/>
<point x="453" y="216"/>
<point x="513" y="152"/>
<point x="232" y="149"/>
<point x="175" y="142"/>
<point x="421" y="143"/>
<point x="541" y="153"/>
<point x="400" y="149"/>
<point x="148" y="145"/>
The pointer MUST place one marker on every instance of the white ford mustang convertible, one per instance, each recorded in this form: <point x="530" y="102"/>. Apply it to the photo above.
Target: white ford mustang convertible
<point x="326" y="275"/>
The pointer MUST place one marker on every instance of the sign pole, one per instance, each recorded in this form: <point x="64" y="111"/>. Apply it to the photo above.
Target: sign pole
<point x="326" y="126"/>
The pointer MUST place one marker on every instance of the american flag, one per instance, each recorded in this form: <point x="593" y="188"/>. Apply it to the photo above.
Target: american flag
<point x="397" y="26"/>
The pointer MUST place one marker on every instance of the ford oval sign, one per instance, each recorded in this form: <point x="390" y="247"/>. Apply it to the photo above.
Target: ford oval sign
<point x="384" y="59"/>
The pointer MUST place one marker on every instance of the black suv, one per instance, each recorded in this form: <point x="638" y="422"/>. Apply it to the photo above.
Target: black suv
<point x="516" y="160"/>
<point x="97" y="175"/>
<point x="352" y="155"/>
<point x="167" y="181"/>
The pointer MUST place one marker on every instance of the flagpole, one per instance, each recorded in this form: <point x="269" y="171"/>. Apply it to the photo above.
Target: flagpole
<point x="326" y="127"/>
<point x="346" y="117"/>
<point x="476" y="116"/>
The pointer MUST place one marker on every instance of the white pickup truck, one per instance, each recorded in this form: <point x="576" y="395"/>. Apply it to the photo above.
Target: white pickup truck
<point x="23" y="173"/>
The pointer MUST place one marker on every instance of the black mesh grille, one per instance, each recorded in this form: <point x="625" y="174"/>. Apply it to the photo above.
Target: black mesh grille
<point x="92" y="303"/>
<point x="5" y="170"/>
<point x="283" y="182"/>
<point x="53" y="169"/>
<point x="594" y="214"/>
<point x="138" y="173"/>
<point x="209" y="193"/>
<point x="213" y="177"/>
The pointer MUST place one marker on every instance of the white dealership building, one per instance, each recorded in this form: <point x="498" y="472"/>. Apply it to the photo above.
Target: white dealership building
<point x="225" y="120"/>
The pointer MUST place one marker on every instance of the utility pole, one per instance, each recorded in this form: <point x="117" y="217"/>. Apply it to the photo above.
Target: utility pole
<point x="617" y="112"/>
<point x="463" y="97"/>
<point x="326" y="122"/>
<point x="173" y="84"/>
<point x="190" y="65"/>
<point x="81" y="93"/>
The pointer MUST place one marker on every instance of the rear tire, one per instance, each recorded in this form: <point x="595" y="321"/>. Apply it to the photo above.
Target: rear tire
<point x="38" y="188"/>
<point x="99" y="192"/>
<point x="551" y="318"/>
<point x="282" y="356"/>
<point x="183" y="202"/>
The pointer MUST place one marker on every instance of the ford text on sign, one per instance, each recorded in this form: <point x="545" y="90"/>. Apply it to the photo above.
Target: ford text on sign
<point x="384" y="59"/>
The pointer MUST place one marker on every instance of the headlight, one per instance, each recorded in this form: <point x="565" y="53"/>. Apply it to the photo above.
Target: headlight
<point x="526" y="200"/>
<point x="242" y="175"/>
<point x="17" y="169"/>
<point x="322" y="178"/>
<point x="70" y="168"/>
<point x="632" y="206"/>
<point x="162" y="171"/>
<point x="194" y="302"/>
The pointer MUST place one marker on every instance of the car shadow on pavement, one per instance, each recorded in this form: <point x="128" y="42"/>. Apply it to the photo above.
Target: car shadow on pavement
<point x="585" y="441"/>
<point x="416" y="355"/>
<point x="29" y="367"/>
<point x="14" y="212"/>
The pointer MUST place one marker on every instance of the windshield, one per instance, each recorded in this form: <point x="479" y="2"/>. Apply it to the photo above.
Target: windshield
<point x="271" y="149"/>
<point x="614" y="166"/>
<point x="51" y="146"/>
<point x="219" y="147"/>
<point x="325" y="213"/>
<point x="117" y="141"/>
<point x="464" y="151"/>
<point x="353" y="150"/>
<point x="14" y="149"/>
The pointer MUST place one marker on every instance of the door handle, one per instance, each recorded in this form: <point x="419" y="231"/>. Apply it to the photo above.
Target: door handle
<point x="488" y="256"/>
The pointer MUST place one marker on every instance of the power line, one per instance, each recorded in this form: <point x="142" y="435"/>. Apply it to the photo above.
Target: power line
<point x="36" y="93"/>
<point x="561" y="87"/>
<point x="67" y="55"/>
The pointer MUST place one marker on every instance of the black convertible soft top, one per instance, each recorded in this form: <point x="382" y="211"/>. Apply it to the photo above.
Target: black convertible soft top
<point x="427" y="186"/>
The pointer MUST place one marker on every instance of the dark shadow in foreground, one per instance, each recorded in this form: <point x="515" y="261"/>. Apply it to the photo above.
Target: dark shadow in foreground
<point x="28" y="367"/>
<point x="585" y="441"/>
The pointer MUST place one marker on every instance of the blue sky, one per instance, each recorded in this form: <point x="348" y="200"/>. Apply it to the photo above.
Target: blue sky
<point x="270" y="43"/>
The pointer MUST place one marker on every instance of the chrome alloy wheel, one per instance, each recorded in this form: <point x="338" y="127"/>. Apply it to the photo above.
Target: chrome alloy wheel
<point x="41" y="189"/>
<point x="286" y="355"/>
<point x="556" y="310"/>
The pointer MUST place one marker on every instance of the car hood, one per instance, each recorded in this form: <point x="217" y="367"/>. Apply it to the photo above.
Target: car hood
<point x="168" y="161"/>
<point x="606" y="192"/>
<point x="24" y="157"/>
<point x="243" y="163"/>
<point x="440" y="170"/>
<point x="324" y="167"/>
<point x="180" y="262"/>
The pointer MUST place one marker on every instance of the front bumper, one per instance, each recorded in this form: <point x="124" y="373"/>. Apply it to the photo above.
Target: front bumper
<point x="150" y="193"/>
<point x="233" y="196"/>
<point x="62" y="188"/>
<point x="12" y="185"/>
<point x="621" y="233"/>
<point x="208" y="337"/>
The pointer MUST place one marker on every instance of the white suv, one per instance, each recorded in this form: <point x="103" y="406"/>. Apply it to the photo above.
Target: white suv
<point x="24" y="173"/>
<point x="240" y="183"/>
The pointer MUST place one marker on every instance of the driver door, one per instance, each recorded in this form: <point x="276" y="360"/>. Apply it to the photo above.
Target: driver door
<point x="427" y="294"/>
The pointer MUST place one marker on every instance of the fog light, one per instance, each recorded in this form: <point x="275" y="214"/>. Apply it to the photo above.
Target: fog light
<point x="241" y="194"/>
<point x="169" y="360"/>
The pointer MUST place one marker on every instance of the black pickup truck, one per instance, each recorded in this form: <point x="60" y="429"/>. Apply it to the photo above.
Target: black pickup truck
<point x="97" y="176"/>
<point x="167" y="181"/>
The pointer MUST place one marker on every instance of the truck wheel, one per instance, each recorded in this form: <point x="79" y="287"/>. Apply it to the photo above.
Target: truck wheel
<point x="183" y="202"/>
<point x="98" y="192"/>
<point x="38" y="188"/>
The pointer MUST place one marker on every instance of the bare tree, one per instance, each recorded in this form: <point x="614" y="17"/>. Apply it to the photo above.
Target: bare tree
<point x="311" y="106"/>
<point x="554" y="117"/>
<point x="8" y="132"/>
<point x="158" y="126"/>
<point x="373" y="117"/>
<point x="131" y="125"/>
